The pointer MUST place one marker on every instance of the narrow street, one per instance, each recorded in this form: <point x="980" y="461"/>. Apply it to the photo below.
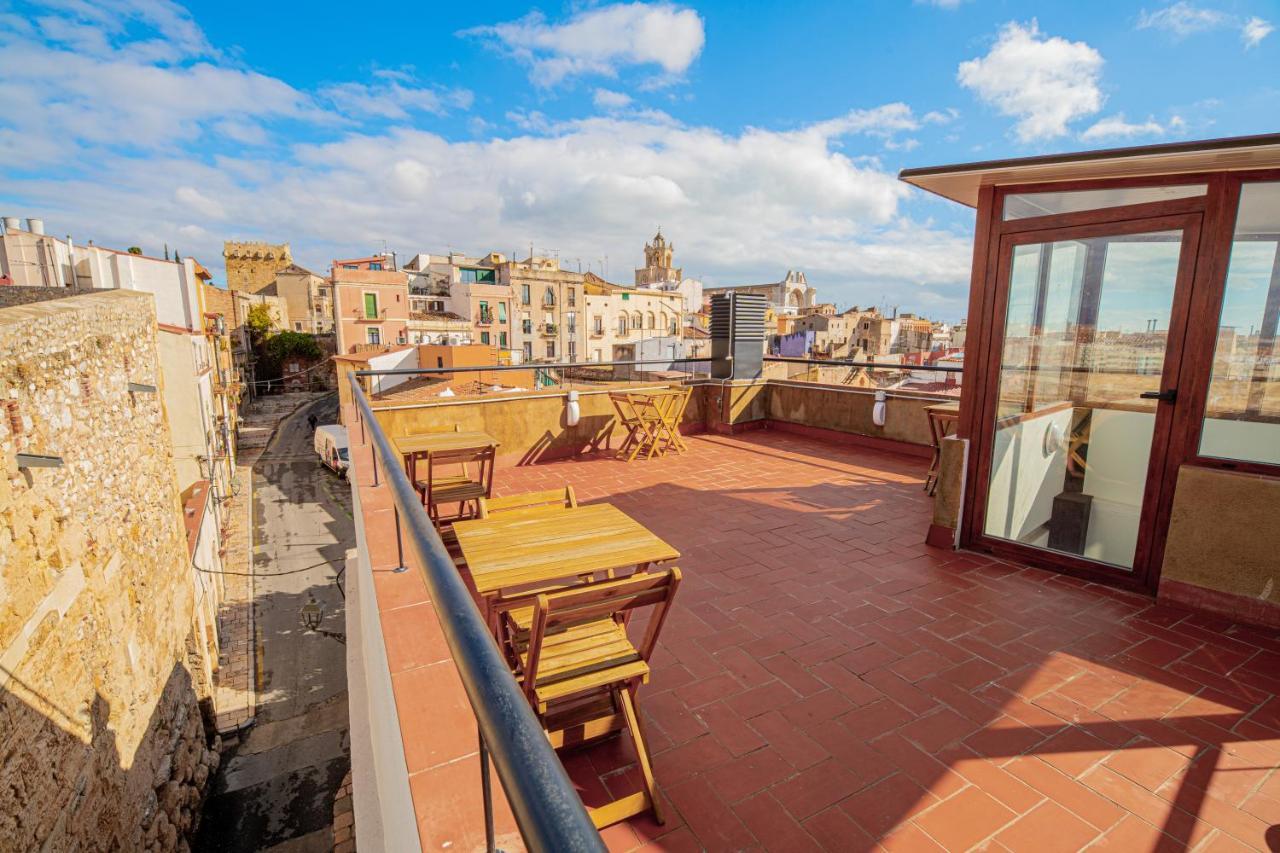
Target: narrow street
<point x="275" y="788"/>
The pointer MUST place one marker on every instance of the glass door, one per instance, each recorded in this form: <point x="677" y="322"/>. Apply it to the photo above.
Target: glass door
<point x="1084" y="369"/>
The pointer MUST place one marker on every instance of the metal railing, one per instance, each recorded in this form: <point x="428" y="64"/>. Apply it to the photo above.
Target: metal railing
<point x="875" y="365"/>
<point x="547" y="809"/>
<point x="549" y="376"/>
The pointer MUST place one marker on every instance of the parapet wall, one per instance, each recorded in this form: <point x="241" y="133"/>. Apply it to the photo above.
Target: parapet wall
<point x="102" y="736"/>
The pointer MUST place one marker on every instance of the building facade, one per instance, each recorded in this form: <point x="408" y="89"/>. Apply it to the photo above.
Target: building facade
<point x="253" y="265"/>
<point x="370" y="307"/>
<point x="549" y="309"/>
<point x="308" y="299"/>
<point x="617" y="315"/>
<point x="470" y="288"/>
<point x="789" y="296"/>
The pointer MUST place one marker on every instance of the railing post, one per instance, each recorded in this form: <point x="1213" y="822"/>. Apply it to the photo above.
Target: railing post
<point x="400" y="566"/>
<point x="486" y="791"/>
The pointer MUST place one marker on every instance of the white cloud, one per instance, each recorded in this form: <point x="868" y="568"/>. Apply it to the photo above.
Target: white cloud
<point x="601" y="40"/>
<point x="1116" y="127"/>
<point x="1181" y="19"/>
<point x="607" y="99"/>
<point x="1254" y="31"/>
<point x="1046" y="82"/>
<point x="392" y="99"/>
<point x="131" y="165"/>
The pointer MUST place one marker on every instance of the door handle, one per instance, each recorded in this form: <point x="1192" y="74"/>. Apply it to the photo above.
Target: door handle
<point x="1164" y="396"/>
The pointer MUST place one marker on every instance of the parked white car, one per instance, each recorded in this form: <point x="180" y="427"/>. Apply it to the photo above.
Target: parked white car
<point x="331" y="447"/>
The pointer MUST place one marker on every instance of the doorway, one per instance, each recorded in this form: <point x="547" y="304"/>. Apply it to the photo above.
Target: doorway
<point x="1080" y="389"/>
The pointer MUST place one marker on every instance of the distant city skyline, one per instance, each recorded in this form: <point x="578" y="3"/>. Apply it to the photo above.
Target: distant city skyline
<point x="580" y="129"/>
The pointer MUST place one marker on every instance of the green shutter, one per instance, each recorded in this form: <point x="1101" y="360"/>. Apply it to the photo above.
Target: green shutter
<point x="371" y="305"/>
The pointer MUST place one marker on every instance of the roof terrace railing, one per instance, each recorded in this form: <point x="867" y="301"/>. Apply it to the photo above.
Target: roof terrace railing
<point x="872" y="365"/>
<point x="547" y="809"/>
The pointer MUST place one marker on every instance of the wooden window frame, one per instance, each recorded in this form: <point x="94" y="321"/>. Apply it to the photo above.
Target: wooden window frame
<point x="1218" y="209"/>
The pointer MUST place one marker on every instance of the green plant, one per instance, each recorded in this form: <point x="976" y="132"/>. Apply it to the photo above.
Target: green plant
<point x="259" y="321"/>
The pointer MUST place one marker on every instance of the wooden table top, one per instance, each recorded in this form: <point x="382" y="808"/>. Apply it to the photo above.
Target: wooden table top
<point x="507" y="552"/>
<point x="436" y="442"/>
<point x="944" y="408"/>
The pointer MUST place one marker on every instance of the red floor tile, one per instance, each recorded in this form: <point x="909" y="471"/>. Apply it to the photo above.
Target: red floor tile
<point x="825" y="679"/>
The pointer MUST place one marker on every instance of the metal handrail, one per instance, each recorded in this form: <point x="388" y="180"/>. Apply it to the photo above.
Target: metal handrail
<point x="875" y="365"/>
<point x="547" y="809"/>
<point x="532" y="365"/>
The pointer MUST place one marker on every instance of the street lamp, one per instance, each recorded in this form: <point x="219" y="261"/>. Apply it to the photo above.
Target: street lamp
<point x="312" y="614"/>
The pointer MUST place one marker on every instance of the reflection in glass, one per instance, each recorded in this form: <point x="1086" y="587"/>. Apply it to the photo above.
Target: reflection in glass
<point x="1242" y="416"/>
<point x="1024" y="205"/>
<point x="1085" y="335"/>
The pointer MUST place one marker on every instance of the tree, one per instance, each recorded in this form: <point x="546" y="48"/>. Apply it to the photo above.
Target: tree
<point x="280" y="347"/>
<point x="259" y="321"/>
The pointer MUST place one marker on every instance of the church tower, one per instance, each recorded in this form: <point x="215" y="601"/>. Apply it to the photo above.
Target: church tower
<point x="657" y="264"/>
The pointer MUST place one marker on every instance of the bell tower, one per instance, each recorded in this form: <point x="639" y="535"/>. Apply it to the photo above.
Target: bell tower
<point x="657" y="263"/>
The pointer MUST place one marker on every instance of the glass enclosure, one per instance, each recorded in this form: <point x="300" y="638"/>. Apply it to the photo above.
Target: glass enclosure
<point x="1085" y="335"/>
<point x="1242" y="414"/>
<point x="1025" y="205"/>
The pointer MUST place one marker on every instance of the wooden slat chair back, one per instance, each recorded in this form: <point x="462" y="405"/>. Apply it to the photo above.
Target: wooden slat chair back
<point x="443" y="487"/>
<point x="529" y="503"/>
<point x="580" y="670"/>
<point x="639" y="432"/>
<point x="672" y="406"/>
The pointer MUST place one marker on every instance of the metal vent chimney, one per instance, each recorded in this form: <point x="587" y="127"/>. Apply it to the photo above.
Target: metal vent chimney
<point x="737" y="335"/>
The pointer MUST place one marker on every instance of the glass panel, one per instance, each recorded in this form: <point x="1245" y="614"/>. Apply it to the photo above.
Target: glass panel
<point x="1085" y="335"/>
<point x="1242" y="417"/>
<point x="1024" y="205"/>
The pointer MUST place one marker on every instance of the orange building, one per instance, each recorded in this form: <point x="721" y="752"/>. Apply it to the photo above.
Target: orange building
<point x="370" y="306"/>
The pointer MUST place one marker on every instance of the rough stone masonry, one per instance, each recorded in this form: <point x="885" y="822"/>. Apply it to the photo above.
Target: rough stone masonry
<point x="103" y="745"/>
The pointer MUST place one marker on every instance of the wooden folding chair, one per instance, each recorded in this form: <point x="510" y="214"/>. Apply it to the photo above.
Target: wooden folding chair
<point x="529" y="503"/>
<point x="442" y="488"/>
<point x="639" y="420"/>
<point x="672" y="405"/>
<point x="580" y="671"/>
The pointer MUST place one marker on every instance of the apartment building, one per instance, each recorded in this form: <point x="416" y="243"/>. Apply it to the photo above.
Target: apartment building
<point x="459" y="286"/>
<point x="624" y="316"/>
<point x="307" y="298"/>
<point x="370" y="305"/>
<point x="549" y="309"/>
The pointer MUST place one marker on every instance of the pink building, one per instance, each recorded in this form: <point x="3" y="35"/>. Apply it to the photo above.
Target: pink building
<point x="370" y="306"/>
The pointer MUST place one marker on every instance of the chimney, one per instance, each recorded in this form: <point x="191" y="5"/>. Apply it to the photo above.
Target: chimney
<point x="35" y="226"/>
<point x="12" y="223"/>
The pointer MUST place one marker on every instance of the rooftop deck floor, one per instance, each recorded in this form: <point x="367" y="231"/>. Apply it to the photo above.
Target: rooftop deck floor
<point x="827" y="681"/>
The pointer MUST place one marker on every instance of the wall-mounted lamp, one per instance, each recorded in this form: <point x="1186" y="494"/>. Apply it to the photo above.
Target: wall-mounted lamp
<point x="879" y="411"/>
<point x="573" y="411"/>
<point x="311" y="614"/>
<point x="35" y="460"/>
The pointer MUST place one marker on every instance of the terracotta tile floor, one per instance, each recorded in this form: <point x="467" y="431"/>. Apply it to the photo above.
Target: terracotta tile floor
<point x="828" y="681"/>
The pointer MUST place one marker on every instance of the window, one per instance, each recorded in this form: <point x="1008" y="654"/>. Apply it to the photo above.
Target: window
<point x="524" y="294"/>
<point x="373" y="335"/>
<point x="571" y="322"/>
<point x="1242" y="413"/>
<point x="652" y="325"/>
<point x="636" y="321"/>
<point x="502" y="339"/>
<point x="476" y="276"/>
<point x="1023" y="205"/>
<point x="436" y="305"/>
<point x="598" y="325"/>
<point x="528" y="350"/>
<point x="485" y="315"/>
<point x="484" y="337"/>
<point x="671" y="326"/>
<point x="526" y="324"/>
<point x="502" y="312"/>
<point x="572" y="297"/>
<point x="297" y="326"/>
<point x="350" y="267"/>
<point x="549" y="297"/>
<point x="551" y="349"/>
<point x="375" y="265"/>
<point x="371" y="306"/>
<point x="622" y="324"/>
<point x="573" y="350"/>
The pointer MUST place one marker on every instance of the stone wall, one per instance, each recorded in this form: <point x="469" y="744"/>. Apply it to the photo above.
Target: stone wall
<point x="19" y="295"/>
<point x="252" y="266"/>
<point x="102" y="740"/>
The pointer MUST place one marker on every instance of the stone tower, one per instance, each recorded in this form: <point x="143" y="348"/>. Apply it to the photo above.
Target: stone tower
<point x="252" y="266"/>
<point x="657" y="263"/>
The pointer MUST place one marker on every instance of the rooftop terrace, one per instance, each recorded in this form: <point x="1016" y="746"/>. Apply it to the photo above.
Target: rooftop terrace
<point x="828" y="681"/>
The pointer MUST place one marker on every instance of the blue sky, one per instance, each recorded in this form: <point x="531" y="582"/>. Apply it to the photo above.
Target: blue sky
<point x="761" y="136"/>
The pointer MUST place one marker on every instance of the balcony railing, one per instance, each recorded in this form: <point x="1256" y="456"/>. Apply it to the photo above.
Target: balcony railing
<point x="547" y="808"/>
<point x="549" y="329"/>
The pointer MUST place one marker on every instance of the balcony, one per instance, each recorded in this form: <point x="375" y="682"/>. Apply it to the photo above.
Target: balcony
<point x="484" y="318"/>
<point x="827" y="680"/>
<point x="549" y="330"/>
